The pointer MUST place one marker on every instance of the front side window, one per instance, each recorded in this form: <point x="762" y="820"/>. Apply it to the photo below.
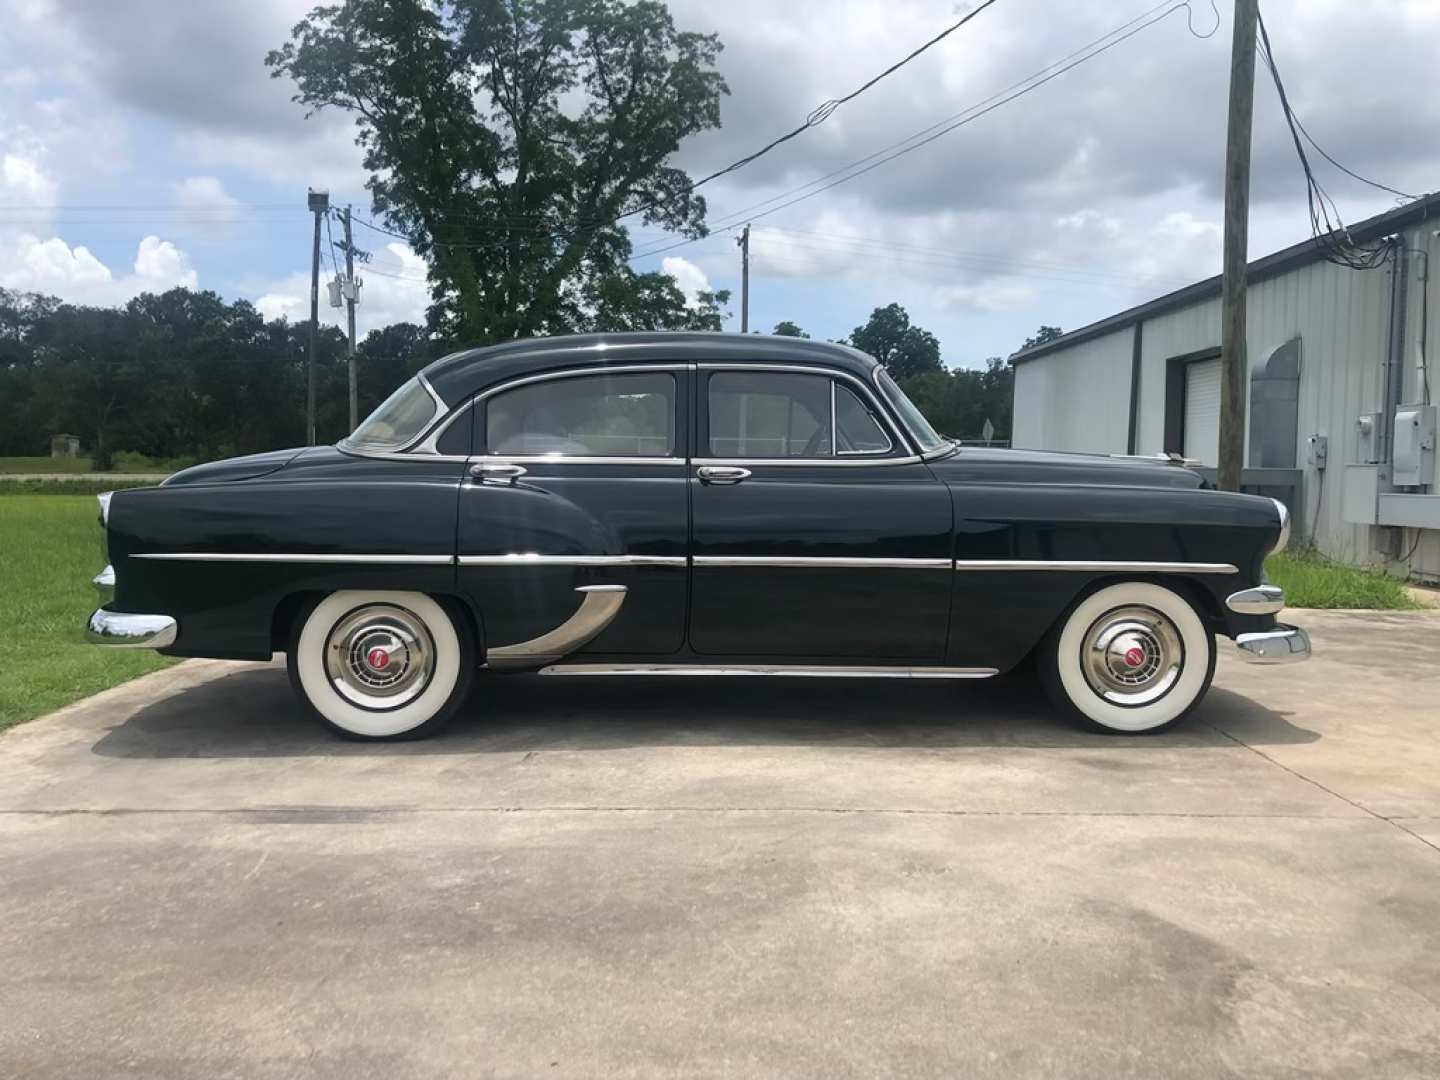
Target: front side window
<point x="910" y="415"/>
<point x="630" y="415"/>
<point x="400" y="420"/>
<point x="771" y="414"/>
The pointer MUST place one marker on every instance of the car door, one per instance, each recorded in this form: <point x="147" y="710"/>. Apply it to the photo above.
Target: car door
<point x="816" y="532"/>
<point x="573" y="513"/>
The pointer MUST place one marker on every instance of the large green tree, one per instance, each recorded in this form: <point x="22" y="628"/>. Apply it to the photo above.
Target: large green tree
<point x="510" y="141"/>
<point x="903" y="348"/>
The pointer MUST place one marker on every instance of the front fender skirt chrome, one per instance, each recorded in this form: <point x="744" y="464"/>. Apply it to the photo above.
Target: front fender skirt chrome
<point x="1283" y="645"/>
<point x="597" y="610"/>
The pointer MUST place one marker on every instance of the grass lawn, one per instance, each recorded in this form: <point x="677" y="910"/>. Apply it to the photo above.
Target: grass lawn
<point x="44" y="464"/>
<point x="49" y="551"/>
<point x="125" y="462"/>
<point x="1311" y="581"/>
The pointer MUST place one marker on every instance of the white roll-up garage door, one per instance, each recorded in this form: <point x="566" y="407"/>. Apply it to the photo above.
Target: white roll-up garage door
<point x="1202" y="411"/>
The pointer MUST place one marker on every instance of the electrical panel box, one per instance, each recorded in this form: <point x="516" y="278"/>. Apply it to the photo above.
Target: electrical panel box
<point x="1367" y="438"/>
<point x="1319" y="450"/>
<point x="1414" y="446"/>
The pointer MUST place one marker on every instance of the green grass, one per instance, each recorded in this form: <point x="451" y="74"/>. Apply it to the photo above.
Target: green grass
<point x="58" y="486"/>
<point x="44" y="464"/>
<point x="49" y="551"/>
<point x="1311" y="581"/>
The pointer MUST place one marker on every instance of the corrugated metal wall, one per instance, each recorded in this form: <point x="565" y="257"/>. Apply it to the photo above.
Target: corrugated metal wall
<point x="1079" y="402"/>
<point x="1342" y="318"/>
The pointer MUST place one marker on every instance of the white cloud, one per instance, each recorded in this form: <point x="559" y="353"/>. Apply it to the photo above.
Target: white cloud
<point x="989" y="296"/>
<point x="394" y="290"/>
<point x="52" y="266"/>
<point x="690" y="279"/>
<point x="24" y="183"/>
<point x="206" y="203"/>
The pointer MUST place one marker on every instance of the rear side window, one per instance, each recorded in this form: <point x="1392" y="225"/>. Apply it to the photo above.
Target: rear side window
<point x="629" y="415"/>
<point x="773" y="414"/>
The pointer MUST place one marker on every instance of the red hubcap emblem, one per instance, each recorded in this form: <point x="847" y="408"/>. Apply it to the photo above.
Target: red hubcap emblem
<point x="377" y="658"/>
<point x="1134" y="656"/>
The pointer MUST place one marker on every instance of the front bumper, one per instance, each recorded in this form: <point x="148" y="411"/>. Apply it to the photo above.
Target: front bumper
<point x="124" y="630"/>
<point x="1283" y="645"/>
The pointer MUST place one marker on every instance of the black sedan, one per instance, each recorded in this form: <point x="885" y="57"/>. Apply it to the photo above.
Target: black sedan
<point x="688" y="504"/>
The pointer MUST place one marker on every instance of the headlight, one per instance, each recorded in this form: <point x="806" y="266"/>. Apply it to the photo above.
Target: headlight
<point x="1284" y="513"/>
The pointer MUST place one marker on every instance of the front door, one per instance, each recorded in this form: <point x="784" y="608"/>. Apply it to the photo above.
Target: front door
<point x="573" y="515"/>
<point x="816" y="532"/>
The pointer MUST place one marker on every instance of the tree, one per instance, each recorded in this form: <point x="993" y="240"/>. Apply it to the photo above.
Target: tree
<point x="1041" y="336"/>
<point x="508" y="141"/>
<point x="786" y="328"/>
<point x="652" y="302"/>
<point x="903" y="349"/>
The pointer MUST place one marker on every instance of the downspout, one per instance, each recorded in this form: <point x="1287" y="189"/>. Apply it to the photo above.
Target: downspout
<point x="1132" y="442"/>
<point x="1394" y="381"/>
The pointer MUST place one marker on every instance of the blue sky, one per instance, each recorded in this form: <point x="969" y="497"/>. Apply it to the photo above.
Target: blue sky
<point x="144" y="145"/>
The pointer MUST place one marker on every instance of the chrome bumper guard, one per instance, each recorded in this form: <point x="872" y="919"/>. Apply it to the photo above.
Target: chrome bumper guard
<point x="1283" y="645"/>
<point x="122" y="630"/>
<point x="1261" y="600"/>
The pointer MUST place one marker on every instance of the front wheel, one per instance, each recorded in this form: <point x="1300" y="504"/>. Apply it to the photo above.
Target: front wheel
<point x="381" y="664"/>
<point x="1132" y="657"/>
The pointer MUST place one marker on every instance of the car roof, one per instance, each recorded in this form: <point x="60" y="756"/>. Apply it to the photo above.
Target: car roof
<point x="462" y="374"/>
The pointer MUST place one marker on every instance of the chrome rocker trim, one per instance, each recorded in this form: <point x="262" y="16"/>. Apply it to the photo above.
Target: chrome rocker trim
<point x="123" y="630"/>
<point x="822" y="561"/>
<point x="809" y="671"/>
<point x="1283" y="645"/>
<point x="295" y="557"/>
<point x="1261" y="600"/>
<point x="1099" y="566"/>
<point x="598" y="607"/>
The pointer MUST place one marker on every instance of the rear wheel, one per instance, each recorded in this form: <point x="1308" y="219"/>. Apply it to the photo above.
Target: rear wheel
<point x="1132" y="657"/>
<point x="381" y="665"/>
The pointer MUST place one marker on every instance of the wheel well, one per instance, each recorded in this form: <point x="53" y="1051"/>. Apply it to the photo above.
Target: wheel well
<point x="282" y="620"/>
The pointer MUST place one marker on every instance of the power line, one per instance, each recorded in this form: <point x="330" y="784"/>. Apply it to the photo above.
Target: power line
<point x="1332" y="238"/>
<point x="1104" y="43"/>
<point x="824" y="111"/>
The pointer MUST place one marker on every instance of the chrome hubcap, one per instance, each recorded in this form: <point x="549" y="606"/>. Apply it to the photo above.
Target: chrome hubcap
<point x="380" y="656"/>
<point x="1132" y="656"/>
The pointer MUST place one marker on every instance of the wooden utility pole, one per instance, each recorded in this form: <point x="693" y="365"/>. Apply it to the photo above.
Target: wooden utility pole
<point x="350" y="294"/>
<point x="319" y="203"/>
<point x="744" y="243"/>
<point x="1233" y="368"/>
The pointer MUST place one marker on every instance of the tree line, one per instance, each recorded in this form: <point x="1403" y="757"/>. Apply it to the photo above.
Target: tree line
<point x="185" y="374"/>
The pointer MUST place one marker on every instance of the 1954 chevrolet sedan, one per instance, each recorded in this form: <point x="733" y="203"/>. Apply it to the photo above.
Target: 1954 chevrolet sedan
<point x="688" y="504"/>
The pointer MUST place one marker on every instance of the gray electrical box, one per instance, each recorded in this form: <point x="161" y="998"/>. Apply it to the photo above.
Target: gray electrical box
<point x="1367" y="438"/>
<point x="1318" y="453"/>
<point x="1414" y="446"/>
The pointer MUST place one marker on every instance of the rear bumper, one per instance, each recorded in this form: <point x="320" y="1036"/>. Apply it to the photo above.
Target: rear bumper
<point x="124" y="630"/>
<point x="1283" y="645"/>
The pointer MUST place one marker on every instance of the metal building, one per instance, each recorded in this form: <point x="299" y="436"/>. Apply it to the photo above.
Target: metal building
<point x="1342" y="420"/>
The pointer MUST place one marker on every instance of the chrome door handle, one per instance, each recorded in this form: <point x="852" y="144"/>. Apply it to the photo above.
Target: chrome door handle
<point x="496" y="472"/>
<point x="721" y="474"/>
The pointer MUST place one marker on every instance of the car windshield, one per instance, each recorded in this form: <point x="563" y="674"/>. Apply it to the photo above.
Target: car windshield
<point x="913" y="419"/>
<point x="399" y="420"/>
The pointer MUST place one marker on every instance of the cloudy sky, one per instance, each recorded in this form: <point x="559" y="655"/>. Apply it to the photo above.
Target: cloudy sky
<point x="143" y="145"/>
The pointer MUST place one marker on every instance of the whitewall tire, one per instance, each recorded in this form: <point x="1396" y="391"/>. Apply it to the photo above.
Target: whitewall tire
<point x="1132" y="657"/>
<point x="377" y="664"/>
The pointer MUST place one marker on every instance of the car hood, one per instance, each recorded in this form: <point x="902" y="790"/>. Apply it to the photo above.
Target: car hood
<point x="973" y="464"/>
<point x="237" y="468"/>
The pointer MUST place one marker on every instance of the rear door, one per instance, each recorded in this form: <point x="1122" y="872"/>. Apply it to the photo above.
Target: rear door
<point x="577" y="485"/>
<point x="817" y="533"/>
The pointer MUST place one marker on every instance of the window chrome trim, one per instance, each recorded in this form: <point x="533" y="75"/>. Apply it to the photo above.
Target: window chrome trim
<point x="803" y="670"/>
<point x="564" y="459"/>
<point x="810" y="463"/>
<point x="835" y="431"/>
<point x="295" y="557"/>
<point x="856" y="562"/>
<point x="530" y="558"/>
<point x="948" y="444"/>
<point x="1099" y="565"/>
<point x="876" y="457"/>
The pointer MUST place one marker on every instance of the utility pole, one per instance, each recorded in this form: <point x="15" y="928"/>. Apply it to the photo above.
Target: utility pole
<point x="350" y="295"/>
<point x="319" y="203"/>
<point x="1233" y="368"/>
<point x="744" y="243"/>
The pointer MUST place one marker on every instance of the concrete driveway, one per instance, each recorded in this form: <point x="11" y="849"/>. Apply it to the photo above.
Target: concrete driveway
<point x="702" y="878"/>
